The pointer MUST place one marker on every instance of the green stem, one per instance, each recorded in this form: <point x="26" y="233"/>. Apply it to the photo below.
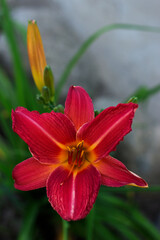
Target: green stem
<point x="90" y="225"/>
<point x="89" y="42"/>
<point x="65" y="226"/>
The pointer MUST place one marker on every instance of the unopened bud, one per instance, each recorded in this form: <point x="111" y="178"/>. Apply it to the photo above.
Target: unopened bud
<point x="46" y="94"/>
<point x="49" y="80"/>
<point x="36" y="53"/>
<point x="133" y="100"/>
<point x="59" y="108"/>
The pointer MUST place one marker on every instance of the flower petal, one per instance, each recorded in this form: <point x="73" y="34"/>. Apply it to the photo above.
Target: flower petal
<point x="31" y="174"/>
<point x="36" y="54"/>
<point x="115" y="174"/>
<point x="46" y="134"/>
<point x="73" y="195"/>
<point x="107" y="129"/>
<point x="78" y="106"/>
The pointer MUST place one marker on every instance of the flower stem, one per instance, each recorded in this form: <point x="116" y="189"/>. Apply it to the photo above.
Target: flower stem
<point x="90" y="224"/>
<point x="65" y="226"/>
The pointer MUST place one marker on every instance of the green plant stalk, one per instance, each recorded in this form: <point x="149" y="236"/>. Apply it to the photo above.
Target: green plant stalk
<point x="90" y="224"/>
<point x="65" y="226"/>
<point x="88" y="43"/>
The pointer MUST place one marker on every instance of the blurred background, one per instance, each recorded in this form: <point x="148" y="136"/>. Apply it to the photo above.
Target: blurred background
<point x="119" y="64"/>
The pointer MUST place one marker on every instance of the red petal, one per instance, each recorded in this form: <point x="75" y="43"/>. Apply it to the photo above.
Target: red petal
<point x="115" y="174"/>
<point x="31" y="174"/>
<point x="73" y="196"/>
<point x="78" y="106"/>
<point x="46" y="134"/>
<point x="108" y="128"/>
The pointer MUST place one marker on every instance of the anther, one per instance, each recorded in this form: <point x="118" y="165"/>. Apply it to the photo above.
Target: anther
<point x="75" y="155"/>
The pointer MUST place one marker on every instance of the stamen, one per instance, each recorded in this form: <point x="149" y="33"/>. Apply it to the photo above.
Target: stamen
<point x="76" y="154"/>
<point x="71" y="170"/>
<point x="75" y="158"/>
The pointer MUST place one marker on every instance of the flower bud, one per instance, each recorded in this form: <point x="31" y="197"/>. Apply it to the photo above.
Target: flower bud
<point x="36" y="54"/>
<point x="46" y="94"/>
<point x="133" y="100"/>
<point x="49" y="80"/>
<point x="59" y="108"/>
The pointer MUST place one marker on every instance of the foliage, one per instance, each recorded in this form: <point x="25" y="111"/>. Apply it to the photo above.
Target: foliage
<point x="114" y="215"/>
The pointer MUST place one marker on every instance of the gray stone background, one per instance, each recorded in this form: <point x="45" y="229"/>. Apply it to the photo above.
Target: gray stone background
<point x="115" y="65"/>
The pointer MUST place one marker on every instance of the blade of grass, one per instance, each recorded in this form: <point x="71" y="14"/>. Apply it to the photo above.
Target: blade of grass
<point x="149" y="230"/>
<point x="143" y="224"/>
<point x="119" y="220"/>
<point x="7" y="130"/>
<point x="23" y="90"/>
<point x="126" y="232"/>
<point x="90" y="41"/>
<point x="5" y="102"/>
<point x="7" y="96"/>
<point x="22" y="30"/>
<point x="16" y="60"/>
<point x="104" y="233"/>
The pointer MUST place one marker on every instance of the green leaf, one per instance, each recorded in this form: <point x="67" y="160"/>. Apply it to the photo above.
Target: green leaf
<point x="90" y="41"/>
<point x="7" y="96"/>
<point x="149" y="231"/>
<point x="22" y="30"/>
<point x="103" y="232"/>
<point x="7" y="130"/>
<point x="121" y="211"/>
<point x="143" y="93"/>
<point x="126" y="232"/>
<point x="22" y="88"/>
<point x="7" y="25"/>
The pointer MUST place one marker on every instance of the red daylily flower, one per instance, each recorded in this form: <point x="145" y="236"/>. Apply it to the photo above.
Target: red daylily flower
<point x="70" y="152"/>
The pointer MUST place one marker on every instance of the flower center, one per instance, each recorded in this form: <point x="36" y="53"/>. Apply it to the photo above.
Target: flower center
<point x="76" y="154"/>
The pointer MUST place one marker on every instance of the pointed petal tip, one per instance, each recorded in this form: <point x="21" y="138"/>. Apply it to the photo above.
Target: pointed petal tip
<point x="79" y="106"/>
<point x="140" y="186"/>
<point x="115" y="174"/>
<point x="140" y="182"/>
<point x="36" y="53"/>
